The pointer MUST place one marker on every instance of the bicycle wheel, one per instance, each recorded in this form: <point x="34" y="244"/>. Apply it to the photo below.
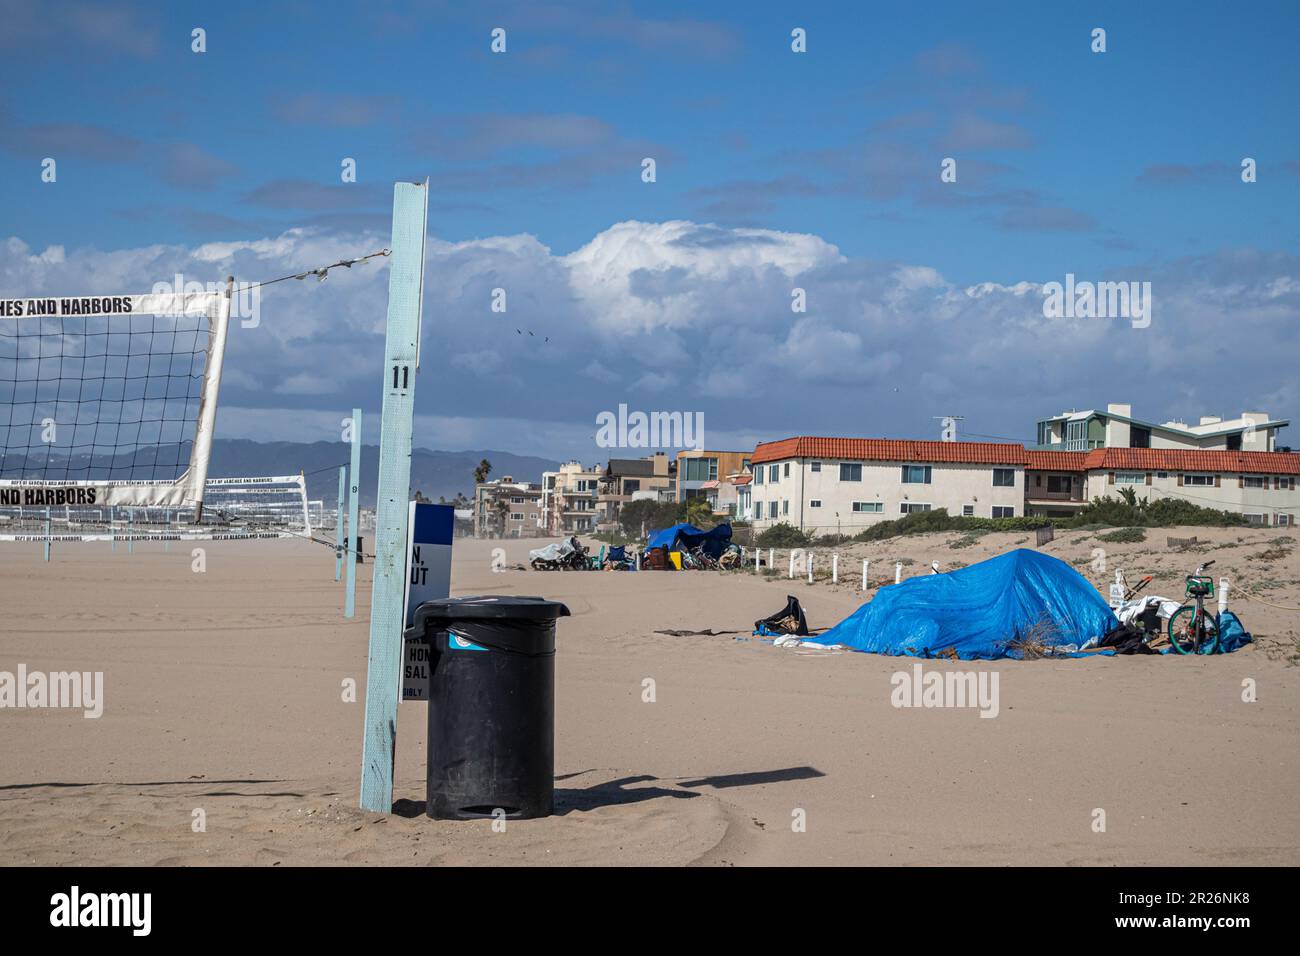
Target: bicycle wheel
<point x="1191" y="632"/>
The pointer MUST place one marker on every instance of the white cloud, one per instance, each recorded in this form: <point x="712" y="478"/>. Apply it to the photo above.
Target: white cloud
<point x="680" y="315"/>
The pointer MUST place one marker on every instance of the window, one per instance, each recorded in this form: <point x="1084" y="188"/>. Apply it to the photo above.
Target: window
<point x="1283" y="520"/>
<point x="785" y="507"/>
<point x="1139" y="437"/>
<point x="849" y="472"/>
<point x="773" y="474"/>
<point x="787" y="470"/>
<point x="1000" y="511"/>
<point x="1130" y="478"/>
<point x="815" y="467"/>
<point x="1254" y="481"/>
<point x="868" y="507"/>
<point x="916" y="474"/>
<point x="516" y="501"/>
<point x="968" y="511"/>
<point x="771" y="509"/>
<point x="1204" y="481"/>
<point x="516" y="516"/>
<point x="1004" y="477"/>
<point x="1256" y="518"/>
<point x="1058" y="484"/>
<point x="758" y="475"/>
<point x="1162" y="474"/>
<point x="701" y="469"/>
<point x="910" y="507"/>
<point x="1232" y="442"/>
<point x="815" y="503"/>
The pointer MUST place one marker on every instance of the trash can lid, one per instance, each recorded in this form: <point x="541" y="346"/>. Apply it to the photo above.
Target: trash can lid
<point x="516" y="607"/>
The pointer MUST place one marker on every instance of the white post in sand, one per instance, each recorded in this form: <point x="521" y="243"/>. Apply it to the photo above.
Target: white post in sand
<point x="835" y="568"/>
<point x="898" y="572"/>
<point x="810" y="567"/>
<point x="1223" y="595"/>
<point x="792" y="563"/>
<point x="771" y="558"/>
<point x="865" y="563"/>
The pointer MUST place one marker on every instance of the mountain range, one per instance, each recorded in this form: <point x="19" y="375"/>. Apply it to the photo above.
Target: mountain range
<point x="434" y="473"/>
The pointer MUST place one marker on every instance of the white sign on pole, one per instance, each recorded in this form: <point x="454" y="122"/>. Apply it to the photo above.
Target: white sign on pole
<point x="428" y="578"/>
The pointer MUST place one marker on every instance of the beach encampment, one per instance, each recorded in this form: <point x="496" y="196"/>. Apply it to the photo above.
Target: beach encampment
<point x="684" y="537"/>
<point x="1019" y="604"/>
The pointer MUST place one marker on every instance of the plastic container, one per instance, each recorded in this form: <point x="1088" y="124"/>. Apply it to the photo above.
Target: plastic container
<point x="491" y="741"/>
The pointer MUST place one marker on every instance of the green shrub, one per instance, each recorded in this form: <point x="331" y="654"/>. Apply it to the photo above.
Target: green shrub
<point x="1131" y="512"/>
<point x="830" y="540"/>
<point x="938" y="519"/>
<point x="1123" y="535"/>
<point x="782" y="535"/>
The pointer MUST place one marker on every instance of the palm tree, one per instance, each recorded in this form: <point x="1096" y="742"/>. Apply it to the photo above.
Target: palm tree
<point x="482" y="471"/>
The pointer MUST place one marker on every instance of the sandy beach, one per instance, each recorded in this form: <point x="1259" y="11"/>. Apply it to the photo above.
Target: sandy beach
<point x="224" y="702"/>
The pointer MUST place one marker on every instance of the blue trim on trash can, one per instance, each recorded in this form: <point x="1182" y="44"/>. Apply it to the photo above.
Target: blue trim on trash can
<point x="457" y="643"/>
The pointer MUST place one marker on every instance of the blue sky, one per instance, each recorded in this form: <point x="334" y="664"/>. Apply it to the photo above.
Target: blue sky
<point x="818" y="170"/>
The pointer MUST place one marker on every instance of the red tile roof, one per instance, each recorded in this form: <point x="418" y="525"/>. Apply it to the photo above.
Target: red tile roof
<point x="992" y="453"/>
<point x="1056" y="460"/>
<point x="891" y="449"/>
<point x="1191" y="459"/>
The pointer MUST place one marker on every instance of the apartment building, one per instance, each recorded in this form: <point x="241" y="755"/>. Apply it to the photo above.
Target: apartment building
<point x="696" y="469"/>
<point x="506" y="508"/>
<point x="1117" y="428"/>
<point x="843" y="485"/>
<point x="629" y="479"/>
<point x="569" y="499"/>
<point x="1260" y="485"/>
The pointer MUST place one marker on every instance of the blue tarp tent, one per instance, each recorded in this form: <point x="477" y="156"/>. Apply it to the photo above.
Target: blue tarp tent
<point x="977" y="611"/>
<point x="684" y="537"/>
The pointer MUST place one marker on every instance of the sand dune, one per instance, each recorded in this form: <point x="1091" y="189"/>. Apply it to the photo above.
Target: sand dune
<point x="223" y="693"/>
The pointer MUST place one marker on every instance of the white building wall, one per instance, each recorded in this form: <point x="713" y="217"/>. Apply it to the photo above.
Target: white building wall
<point x="1229" y="495"/>
<point x="951" y="486"/>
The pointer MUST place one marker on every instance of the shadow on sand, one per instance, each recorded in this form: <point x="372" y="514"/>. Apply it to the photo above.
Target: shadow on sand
<point x="625" y="790"/>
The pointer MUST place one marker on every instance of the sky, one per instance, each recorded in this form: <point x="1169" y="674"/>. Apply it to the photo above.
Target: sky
<point x="774" y="171"/>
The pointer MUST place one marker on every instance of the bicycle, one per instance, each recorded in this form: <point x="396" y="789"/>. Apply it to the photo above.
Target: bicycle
<point x="1192" y="628"/>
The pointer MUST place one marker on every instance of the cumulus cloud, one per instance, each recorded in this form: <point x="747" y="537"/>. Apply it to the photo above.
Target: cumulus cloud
<point x="688" y="316"/>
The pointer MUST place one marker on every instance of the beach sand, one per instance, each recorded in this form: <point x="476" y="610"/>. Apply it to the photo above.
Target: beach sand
<point x="224" y="693"/>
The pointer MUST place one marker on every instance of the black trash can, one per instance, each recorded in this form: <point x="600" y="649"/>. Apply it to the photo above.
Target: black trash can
<point x="491" y="705"/>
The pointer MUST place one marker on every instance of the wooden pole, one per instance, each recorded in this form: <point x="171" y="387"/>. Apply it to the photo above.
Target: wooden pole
<point x="338" y="524"/>
<point x="354" y="516"/>
<point x="388" y="588"/>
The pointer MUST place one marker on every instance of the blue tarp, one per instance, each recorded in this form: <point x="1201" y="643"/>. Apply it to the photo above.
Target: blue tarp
<point x="684" y="537"/>
<point x="976" y="611"/>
